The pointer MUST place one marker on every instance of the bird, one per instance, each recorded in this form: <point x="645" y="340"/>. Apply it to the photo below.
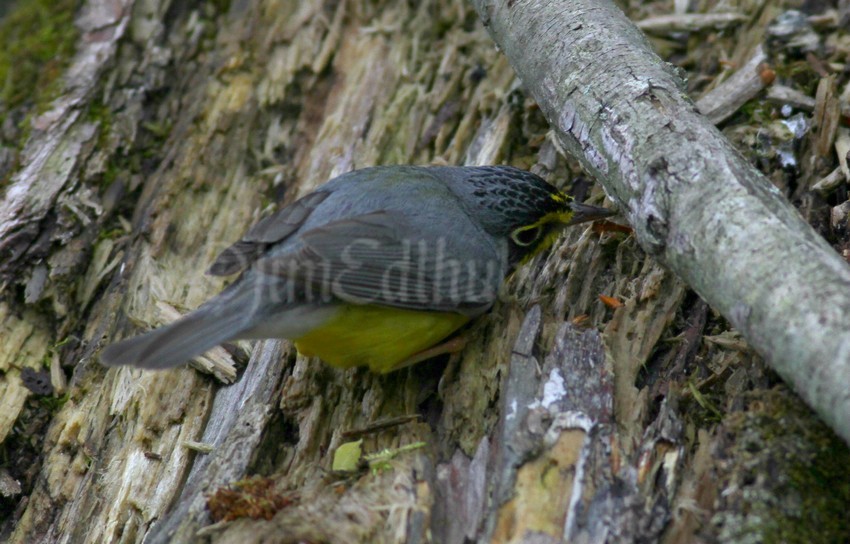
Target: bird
<point x="375" y="268"/>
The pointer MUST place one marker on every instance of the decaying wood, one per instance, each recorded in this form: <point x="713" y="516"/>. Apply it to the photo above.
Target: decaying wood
<point x="179" y="126"/>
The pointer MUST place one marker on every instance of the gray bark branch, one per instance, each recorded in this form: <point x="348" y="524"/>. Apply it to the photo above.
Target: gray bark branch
<point x="693" y="200"/>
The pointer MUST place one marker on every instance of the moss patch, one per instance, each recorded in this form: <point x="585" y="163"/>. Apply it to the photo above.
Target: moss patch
<point x="788" y="479"/>
<point x="37" y="39"/>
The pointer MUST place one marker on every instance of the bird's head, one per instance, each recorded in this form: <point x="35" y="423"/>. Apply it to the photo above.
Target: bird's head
<point x="525" y="209"/>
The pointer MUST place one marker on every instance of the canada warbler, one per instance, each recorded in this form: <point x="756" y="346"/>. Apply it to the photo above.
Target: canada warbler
<point x="373" y="267"/>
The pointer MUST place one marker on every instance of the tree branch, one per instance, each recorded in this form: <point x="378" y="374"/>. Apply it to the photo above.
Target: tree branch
<point x="693" y="200"/>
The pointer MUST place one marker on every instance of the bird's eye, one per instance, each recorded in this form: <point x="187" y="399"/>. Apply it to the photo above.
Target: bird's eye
<point x="525" y="236"/>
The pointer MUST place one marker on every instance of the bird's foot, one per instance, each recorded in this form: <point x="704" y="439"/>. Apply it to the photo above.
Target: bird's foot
<point x="452" y="346"/>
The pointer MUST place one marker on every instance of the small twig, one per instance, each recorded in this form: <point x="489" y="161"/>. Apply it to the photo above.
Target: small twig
<point x="379" y="425"/>
<point x="724" y="100"/>
<point x="794" y="98"/>
<point x="689" y="22"/>
<point x="831" y="182"/>
<point x="781" y="94"/>
<point x="842" y="149"/>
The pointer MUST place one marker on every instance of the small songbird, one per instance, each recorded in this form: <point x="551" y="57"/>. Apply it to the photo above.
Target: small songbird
<point x="374" y="268"/>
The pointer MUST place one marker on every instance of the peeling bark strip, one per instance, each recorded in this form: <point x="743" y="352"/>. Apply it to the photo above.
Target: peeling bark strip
<point x="693" y="200"/>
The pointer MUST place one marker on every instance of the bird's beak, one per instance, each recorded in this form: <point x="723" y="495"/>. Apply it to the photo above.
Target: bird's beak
<point x="583" y="213"/>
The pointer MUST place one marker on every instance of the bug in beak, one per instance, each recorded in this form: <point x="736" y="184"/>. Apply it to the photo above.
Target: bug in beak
<point x="583" y="213"/>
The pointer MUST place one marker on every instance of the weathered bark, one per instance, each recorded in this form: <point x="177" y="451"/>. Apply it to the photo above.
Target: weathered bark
<point x="185" y="121"/>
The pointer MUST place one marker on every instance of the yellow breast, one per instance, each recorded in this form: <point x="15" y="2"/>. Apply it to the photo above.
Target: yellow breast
<point x="379" y="337"/>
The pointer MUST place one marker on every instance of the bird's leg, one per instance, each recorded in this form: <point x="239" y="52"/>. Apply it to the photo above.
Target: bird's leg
<point x="452" y="346"/>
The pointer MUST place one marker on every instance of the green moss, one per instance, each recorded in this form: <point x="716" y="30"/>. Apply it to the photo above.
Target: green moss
<point x="799" y="74"/>
<point x="37" y="39"/>
<point x="121" y="162"/>
<point x="788" y="478"/>
<point x="221" y="6"/>
<point x="159" y="131"/>
<point x="755" y="112"/>
<point x="711" y="412"/>
<point x="100" y="114"/>
<point x="54" y="404"/>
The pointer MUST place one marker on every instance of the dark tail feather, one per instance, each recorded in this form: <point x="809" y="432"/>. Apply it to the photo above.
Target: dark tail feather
<point x="220" y="320"/>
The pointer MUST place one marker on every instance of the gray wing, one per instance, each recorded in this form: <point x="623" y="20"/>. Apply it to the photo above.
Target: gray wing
<point x="393" y="259"/>
<point x="267" y="231"/>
